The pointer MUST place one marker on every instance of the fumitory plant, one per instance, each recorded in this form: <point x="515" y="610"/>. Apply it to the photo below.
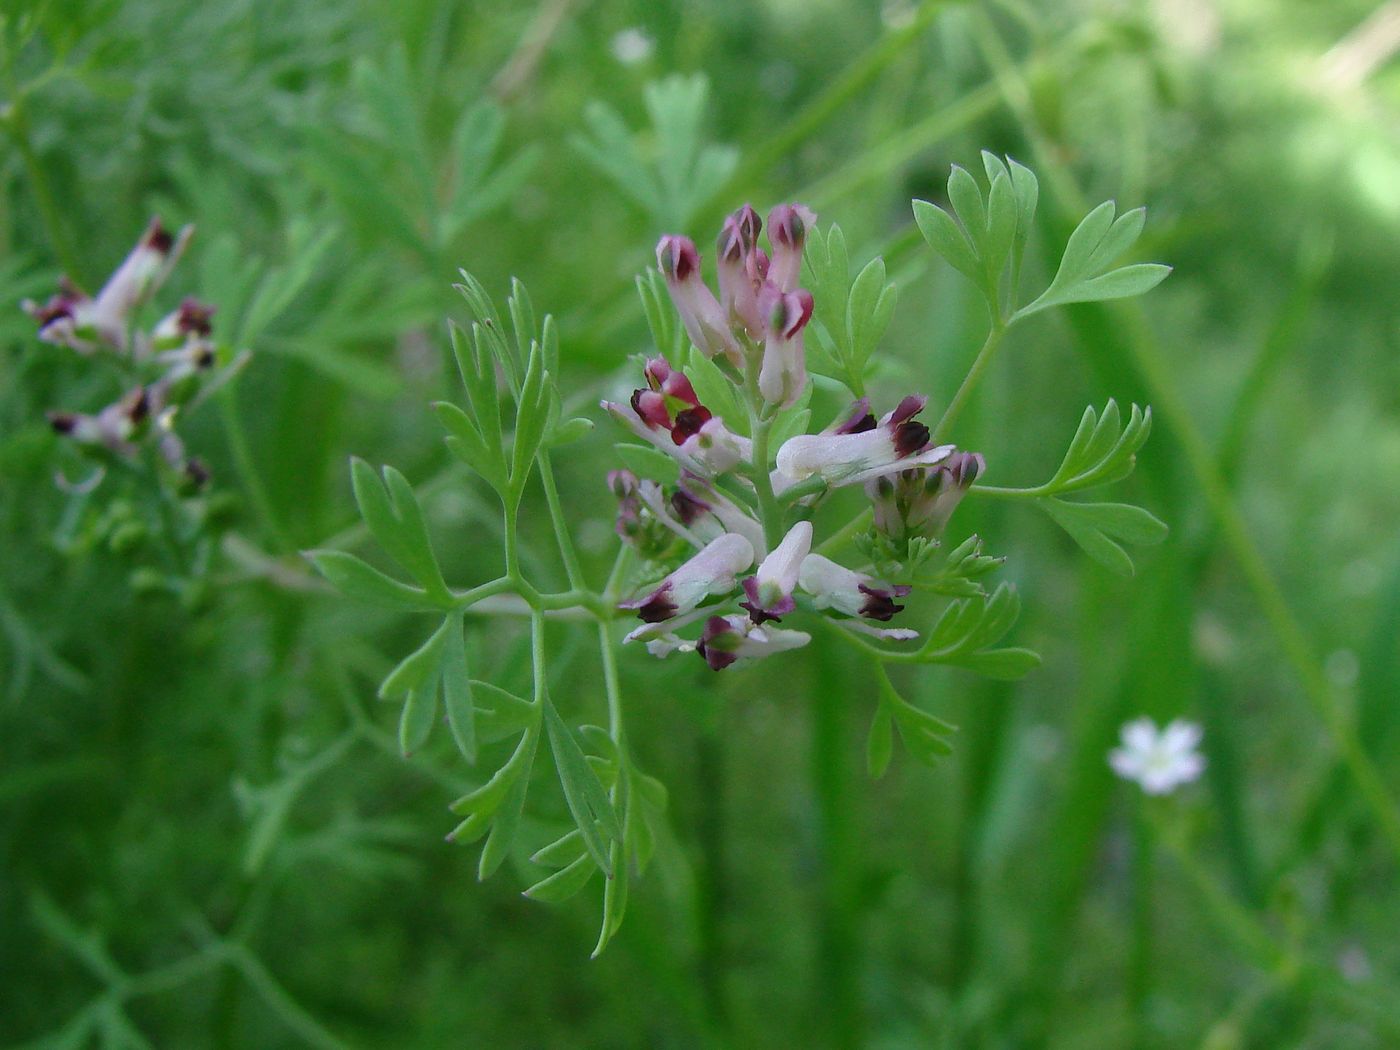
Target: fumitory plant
<point x="725" y="500"/>
<point x="158" y="508"/>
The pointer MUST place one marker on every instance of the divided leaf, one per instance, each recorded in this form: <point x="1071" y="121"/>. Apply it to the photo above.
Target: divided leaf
<point x="1096" y="527"/>
<point x="1085" y="273"/>
<point x="968" y="630"/>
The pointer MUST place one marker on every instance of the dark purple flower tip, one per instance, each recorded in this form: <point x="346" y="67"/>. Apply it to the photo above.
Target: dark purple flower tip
<point x="622" y="483"/>
<point x="650" y="407"/>
<point x="654" y="607"/>
<point x="761" y="262"/>
<point x="791" y="313"/>
<point x="204" y="357"/>
<point x="858" y="420"/>
<point x="57" y="308"/>
<point x="965" y="467"/>
<point x="672" y="382"/>
<point x="910" y="437"/>
<point x="677" y="257"/>
<point x="63" y="422"/>
<point x="786" y="226"/>
<point x="195" y="317"/>
<point x="689" y="422"/>
<point x="879" y="602"/>
<point x="196" y="473"/>
<point x="157" y="237"/>
<point x="687" y="507"/>
<point x="749" y="224"/>
<point x="760" y="613"/>
<point x="908" y="408"/>
<point x="717" y="643"/>
<point x="136" y="405"/>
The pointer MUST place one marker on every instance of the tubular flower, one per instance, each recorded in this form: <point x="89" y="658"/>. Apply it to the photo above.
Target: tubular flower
<point x="708" y="512"/>
<point x="844" y="590"/>
<point x="860" y="449"/>
<point x="704" y="319"/>
<point x="783" y="376"/>
<point x="787" y="229"/>
<point x="668" y="414"/>
<point x="172" y="359"/>
<point x="919" y="501"/>
<point x="743" y="266"/>
<point x="712" y="571"/>
<point x="769" y="591"/>
<point x="727" y="639"/>
<point x="115" y="428"/>
<point x="87" y="324"/>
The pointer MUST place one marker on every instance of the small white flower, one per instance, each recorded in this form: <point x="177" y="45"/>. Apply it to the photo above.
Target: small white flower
<point x="632" y="45"/>
<point x="1159" y="760"/>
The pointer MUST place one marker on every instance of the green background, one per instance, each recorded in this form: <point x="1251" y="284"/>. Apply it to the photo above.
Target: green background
<point x="176" y="775"/>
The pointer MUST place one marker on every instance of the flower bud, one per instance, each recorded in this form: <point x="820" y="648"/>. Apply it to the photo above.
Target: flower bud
<point x="787" y="230"/>
<point x="705" y="320"/>
<point x="784" y="373"/>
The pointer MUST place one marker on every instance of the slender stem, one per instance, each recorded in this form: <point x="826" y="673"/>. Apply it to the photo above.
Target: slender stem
<point x="1140" y="964"/>
<point x="247" y="469"/>
<point x="44" y="201"/>
<point x="842" y="90"/>
<point x="997" y="492"/>
<point x="511" y="541"/>
<point x="761" y="425"/>
<point x="1158" y="375"/>
<point x="970" y="381"/>
<point x="838" y="985"/>
<point x="561" y="523"/>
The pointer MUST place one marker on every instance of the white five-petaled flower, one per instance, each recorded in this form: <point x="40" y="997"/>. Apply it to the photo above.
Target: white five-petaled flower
<point x="1158" y="760"/>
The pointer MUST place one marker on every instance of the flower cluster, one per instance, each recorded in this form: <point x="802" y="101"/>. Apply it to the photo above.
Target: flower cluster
<point x="164" y="367"/>
<point x="747" y="517"/>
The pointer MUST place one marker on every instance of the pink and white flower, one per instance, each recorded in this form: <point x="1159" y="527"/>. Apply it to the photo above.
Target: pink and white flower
<point x="920" y="500"/>
<point x="783" y="375"/>
<point x="769" y="591"/>
<point x="705" y="320"/>
<point x="859" y="448"/>
<point x="787" y="230"/>
<point x="710" y="572"/>
<point x="86" y="324"/>
<point x="743" y="268"/>
<point x="833" y="586"/>
<point x="668" y="414"/>
<point x="727" y="639"/>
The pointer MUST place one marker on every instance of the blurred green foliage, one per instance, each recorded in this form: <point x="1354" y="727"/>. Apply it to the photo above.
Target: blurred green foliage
<point x="208" y="834"/>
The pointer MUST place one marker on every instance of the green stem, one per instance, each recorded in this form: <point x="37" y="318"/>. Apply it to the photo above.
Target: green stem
<point x="248" y="474"/>
<point x="970" y="381"/>
<point x="838" y="986"/>
<point x="1159" y="376"/>
<point x="44" y="201"/>
<point x="761" y="425"/>
<point x="561" y="523"/>
<point x="854" y="79"/>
